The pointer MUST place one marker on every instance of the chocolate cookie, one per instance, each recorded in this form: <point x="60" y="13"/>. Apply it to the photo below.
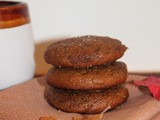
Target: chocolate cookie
<point x="86" y="101"/>
<point x="84" y="51"/>
<point x="95" y="77"/>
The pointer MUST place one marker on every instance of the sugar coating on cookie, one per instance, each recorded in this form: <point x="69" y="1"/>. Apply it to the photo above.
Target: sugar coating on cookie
<point x="86" y="101"/>
<point x="84" y="51"/>
<point x="96" y="77"/>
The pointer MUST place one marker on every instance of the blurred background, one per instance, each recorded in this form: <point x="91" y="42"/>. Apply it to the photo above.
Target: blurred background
<point x="135" y="22"/>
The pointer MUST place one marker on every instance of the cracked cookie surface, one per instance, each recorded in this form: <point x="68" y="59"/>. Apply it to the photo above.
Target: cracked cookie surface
<point x="95" y="77"/>
<point x="92" y="101"/>
<point x="84" y="51"/>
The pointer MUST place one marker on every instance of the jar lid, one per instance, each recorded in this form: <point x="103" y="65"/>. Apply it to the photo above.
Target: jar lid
<point x="13" y="14"/>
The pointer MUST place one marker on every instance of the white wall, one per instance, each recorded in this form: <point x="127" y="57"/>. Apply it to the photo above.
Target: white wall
<point x="135" y="22"/>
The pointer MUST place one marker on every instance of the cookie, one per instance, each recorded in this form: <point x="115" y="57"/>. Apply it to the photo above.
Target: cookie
<point x="86" y="101"/>
<point x="96" y="77"/>
<point x="84" y="51"/>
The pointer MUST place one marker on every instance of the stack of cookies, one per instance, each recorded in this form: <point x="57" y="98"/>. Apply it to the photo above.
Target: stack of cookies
<point x="85" y="77"/>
